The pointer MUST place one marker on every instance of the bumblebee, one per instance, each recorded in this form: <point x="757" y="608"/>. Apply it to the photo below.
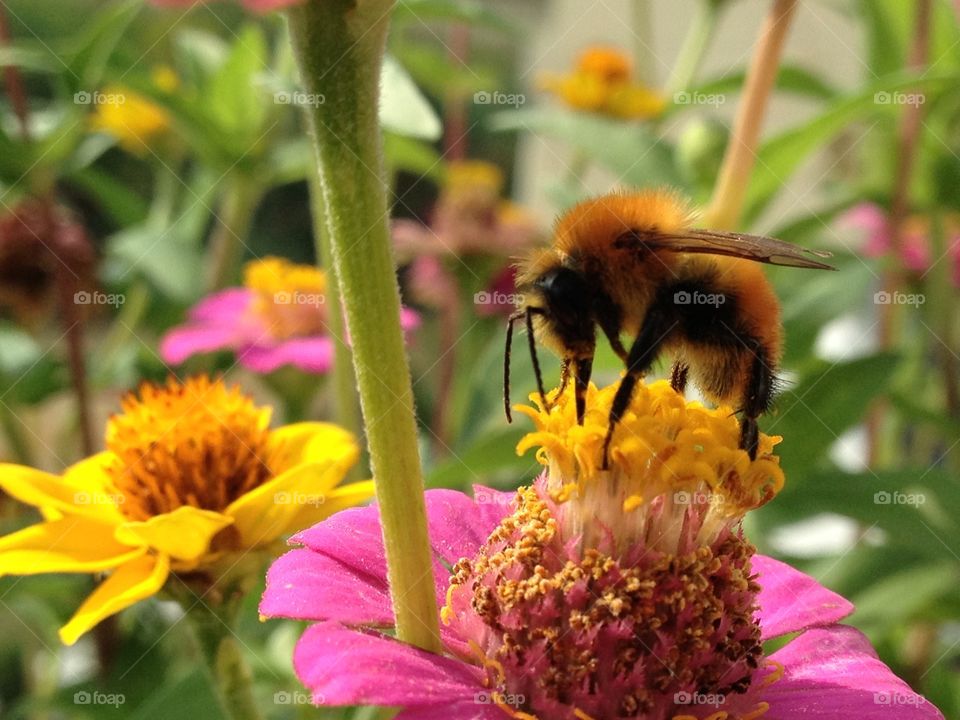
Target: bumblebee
<point x="629" y="263"/>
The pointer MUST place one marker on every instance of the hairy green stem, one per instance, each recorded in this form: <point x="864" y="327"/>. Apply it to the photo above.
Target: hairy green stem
<point x="346" y="408"/>
<point x="339" y="46"/>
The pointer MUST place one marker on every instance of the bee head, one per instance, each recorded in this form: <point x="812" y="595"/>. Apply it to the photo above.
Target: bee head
<point x="564" y="296"/>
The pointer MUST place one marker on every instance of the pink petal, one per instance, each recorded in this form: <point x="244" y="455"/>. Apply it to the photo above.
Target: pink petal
<point x="791" y="601"/>
<point x="311" y="354"/>
<point x="834" y="673"/>
<point x="409" y="319"/>
<point x="188" y="340"/>
<point x="306" y="585"/>
<point x="473" y="709"/>
<point x="348" y="667"/>
<point x="227" y="306"/>
<point x="459" y="524"/>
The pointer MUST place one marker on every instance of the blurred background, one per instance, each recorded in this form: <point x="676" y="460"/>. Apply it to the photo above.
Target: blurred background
<point x="147" y="155"/>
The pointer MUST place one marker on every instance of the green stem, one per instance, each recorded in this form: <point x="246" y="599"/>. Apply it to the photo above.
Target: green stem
<point x="233" y="226"/>
<point x="224" y="655"/>
<point x="339" y="47"/>
<point x="694" y="46"/>
<point x="346" y="408"/>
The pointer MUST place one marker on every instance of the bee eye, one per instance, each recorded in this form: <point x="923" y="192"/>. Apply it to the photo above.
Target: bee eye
<point x="566" y="293"/>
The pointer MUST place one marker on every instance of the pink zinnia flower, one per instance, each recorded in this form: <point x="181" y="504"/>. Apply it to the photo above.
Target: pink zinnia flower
<point x="257" y="6"/>
<point x="594" y="594"/>
<point x="278" y="318"/>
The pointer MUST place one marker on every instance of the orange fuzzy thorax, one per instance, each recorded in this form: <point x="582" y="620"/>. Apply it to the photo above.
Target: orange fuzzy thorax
<point x="592" y="225"/>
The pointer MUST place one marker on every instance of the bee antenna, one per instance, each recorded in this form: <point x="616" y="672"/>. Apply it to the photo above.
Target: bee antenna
<point x="532" y="341"/>
<point x="519" y="315"/>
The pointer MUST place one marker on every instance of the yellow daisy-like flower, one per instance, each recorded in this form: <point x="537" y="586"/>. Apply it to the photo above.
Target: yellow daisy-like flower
<point x="131" y="118"/>
<point x="601" y="83"/>
<point x="192" y="476"/>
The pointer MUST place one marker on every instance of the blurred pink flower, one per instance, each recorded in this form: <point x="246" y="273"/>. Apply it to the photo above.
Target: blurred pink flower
<point x="915" y="253"/>
<point x="278" y="318"/>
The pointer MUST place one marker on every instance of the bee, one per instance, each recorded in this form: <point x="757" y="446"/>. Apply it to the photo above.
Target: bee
<point x="630" y="263"/>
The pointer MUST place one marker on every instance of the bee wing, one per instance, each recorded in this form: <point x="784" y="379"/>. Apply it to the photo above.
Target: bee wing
<point x="749" y="247"/>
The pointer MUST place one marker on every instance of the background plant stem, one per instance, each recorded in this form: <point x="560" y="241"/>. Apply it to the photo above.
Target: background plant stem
<point x="727" y="204"/>
<point x="694" y="46"/>
<point x="339" y="46"/>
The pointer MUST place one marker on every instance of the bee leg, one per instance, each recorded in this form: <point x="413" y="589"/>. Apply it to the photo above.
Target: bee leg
<point x="642" y="353"/>
<point x="678" y="377"/>
<point x="564" y="375"/>
<point x="584" y="368"/>
<point x="758" y="396"/>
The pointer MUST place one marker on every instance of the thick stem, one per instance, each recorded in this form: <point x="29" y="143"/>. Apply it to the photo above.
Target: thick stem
<point x="694" y="46"/>
<point x="339" y="47"/>
<point x="346" y="407"/>
<point x="727" y="204"/>
<point x="224" y="655"/>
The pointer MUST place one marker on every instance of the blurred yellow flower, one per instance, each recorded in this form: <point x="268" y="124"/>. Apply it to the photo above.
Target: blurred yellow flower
<point x="601" y="83"/>
<point x="131" y="118"/>
<point x="192" y="476"/>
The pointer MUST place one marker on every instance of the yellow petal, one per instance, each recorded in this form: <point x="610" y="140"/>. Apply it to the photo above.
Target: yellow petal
<point x="303" y="442"/>
<point x="310" y="459"/>
<point x="84" y="489"/>
<point x="72" y="544"/>
<point x="342" y="498"/>
<point x="184" y="534"/>
<point x="137" y="579"/>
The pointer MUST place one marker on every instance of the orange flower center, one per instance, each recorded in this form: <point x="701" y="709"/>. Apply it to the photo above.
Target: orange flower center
<point x="199" y="444"/>
<point x="289" y="298"/>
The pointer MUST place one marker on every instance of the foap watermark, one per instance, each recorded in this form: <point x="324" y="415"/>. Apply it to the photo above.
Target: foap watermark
<point x="484" y="97"/>
<point x="699" y="98"/>
<point x="299" y="98"/>
<point x="895" y="698"/>
<point x="883" y="297"/>
<point x="698" y="497"/>
<point x="499" y="697"/>
<point x="297" y="697"/>
<point x="899" y="98"/>
<point x="482" y="496"/>
<point x="98" y="98"/>
<point x="898" y="498"/>
<point x="97" y="498"/>
<point x="698" y="698"/>
<point x="83" y="297"/>
<point x="84" y="697"/>
<point x="684" y="297"/>
<point x="498" y="298"/>
<point x="299" y="298"/>
<point x="299" y="498"/>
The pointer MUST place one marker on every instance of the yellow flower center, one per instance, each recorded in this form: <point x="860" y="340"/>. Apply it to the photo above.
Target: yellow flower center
<point x="676" y="472"/>
<point x="199" y="444"/>
<point x="289" y="298"/>
<point x="131" y="118"/>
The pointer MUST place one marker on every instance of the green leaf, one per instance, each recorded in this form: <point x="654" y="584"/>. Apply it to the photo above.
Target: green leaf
<point x="790" y="78"/>
<point x="97" y="42"/>
<point x="484" y="459"/>
<point x="638" y="156"/>
<point x="232" y="99"/>
<point x="411" y="155"/>
<point x="161" y="254"/>
<point x="829" y="399"/>
<point x="403" y="108"/>
<point x="417" y="12"/>
<point x="885" y="603"/>
<point x="780" y="156"/>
